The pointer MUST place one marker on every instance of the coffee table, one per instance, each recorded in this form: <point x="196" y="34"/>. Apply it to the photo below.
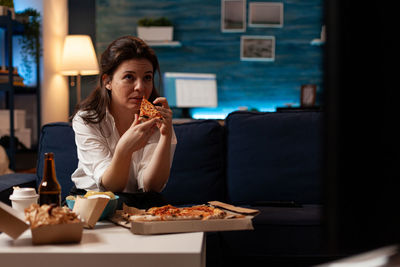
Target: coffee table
<point x="107" y="245"/>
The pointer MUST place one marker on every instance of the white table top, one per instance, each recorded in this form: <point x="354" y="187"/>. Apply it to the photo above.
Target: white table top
<point x="107" y="245"/>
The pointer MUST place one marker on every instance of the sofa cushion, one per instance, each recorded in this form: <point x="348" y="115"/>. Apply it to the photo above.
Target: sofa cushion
<point x="198" y="169"/>
<point x="59" y="138"/>
<point x="291" y="234"/>
<point x="274" y="156"/>
<point x="7" y="181"/>
<point x="306" y="215"/>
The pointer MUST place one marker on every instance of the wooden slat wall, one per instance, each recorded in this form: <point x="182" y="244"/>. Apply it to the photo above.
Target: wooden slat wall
<point x="205" y="49"/>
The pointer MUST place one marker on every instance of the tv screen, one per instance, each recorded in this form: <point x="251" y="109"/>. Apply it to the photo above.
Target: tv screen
<point x="187" y="90"/>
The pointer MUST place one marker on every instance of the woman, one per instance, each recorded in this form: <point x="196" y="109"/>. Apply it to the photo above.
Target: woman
<point x="116" y="151"/>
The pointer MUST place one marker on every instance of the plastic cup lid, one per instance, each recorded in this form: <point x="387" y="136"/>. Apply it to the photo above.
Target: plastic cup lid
<point x="23" y="193"/>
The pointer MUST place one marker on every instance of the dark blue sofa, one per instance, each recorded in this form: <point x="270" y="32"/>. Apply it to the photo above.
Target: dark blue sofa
<point x="254" y="159"/>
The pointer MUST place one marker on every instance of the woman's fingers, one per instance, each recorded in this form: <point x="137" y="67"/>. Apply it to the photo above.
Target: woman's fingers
<point x="165" y="113"/>
<point x="161" y="100"/>
<point x="147" y="124"/>
<point x="164" y="109"/>
<point x="136" y="120"/>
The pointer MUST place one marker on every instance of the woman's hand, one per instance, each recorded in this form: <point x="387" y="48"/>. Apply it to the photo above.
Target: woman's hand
<point x="137" y="135"/>
<point x="165" y="124"/>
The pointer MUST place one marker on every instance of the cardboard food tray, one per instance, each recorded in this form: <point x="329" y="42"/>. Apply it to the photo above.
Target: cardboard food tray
<point x="90" y="210"/>
<point x="57" y="234"/>
<point x="234" y="221"/>
<point x="13" y="224"/>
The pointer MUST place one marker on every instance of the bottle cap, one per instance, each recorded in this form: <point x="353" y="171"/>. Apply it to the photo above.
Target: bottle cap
<point x="48" y="154"/>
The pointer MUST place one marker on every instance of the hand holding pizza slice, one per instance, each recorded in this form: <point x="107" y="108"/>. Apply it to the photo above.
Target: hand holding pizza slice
<point x="148" y="111"/>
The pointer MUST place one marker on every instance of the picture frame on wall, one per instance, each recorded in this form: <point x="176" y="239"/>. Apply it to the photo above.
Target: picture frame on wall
<point x="266" y="14"/>
<point x="257" y="48"/>
<point x="233" y="15"/>
<point x="308" y="95"/>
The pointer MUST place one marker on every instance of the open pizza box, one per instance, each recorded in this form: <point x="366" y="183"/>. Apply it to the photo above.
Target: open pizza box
<point x="237" y="218"/>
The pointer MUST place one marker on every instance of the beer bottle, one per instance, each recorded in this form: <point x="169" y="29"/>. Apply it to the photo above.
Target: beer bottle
<point x="49" y="188"/>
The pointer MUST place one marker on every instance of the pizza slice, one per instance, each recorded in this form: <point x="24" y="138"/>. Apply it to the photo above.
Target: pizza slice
<point x="205" y="212"/>
<point x="148" y="111"/>
<point x="199" y="212"/>
<point x="172" y="213"/>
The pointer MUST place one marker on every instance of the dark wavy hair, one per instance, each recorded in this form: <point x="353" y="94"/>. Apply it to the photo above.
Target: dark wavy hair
<point x="122" y="49"/>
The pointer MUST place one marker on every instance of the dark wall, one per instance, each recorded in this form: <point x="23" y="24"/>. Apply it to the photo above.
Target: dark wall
<point x="362" y="147"/>
<point x="82" y="17"/>
<point x="82" y="20"/>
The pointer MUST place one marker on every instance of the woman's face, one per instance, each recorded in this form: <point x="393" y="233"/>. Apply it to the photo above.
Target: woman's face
<point x="132" y="81"/>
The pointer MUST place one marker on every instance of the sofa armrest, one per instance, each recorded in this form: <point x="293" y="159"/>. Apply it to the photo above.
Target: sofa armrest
<point x="7" y="182"/>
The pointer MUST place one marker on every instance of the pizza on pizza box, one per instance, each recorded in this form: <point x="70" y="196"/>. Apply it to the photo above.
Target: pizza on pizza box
<point x="171" y="219"/>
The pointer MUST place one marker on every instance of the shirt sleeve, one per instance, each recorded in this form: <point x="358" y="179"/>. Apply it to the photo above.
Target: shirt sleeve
<point x="148" y="152"/>
<point x="94" y="154"/>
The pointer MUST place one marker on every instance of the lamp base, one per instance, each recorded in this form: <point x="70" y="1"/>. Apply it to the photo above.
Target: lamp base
<point x="78" y="88"/>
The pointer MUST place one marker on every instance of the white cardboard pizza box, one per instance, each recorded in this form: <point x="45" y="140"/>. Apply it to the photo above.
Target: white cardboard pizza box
<point x="167" y="227"/>
<point x="13" y="224"/>
<point x="212" y="225"/>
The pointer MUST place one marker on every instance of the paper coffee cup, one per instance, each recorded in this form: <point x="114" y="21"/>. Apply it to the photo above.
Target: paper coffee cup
<point x="23" y="197"/>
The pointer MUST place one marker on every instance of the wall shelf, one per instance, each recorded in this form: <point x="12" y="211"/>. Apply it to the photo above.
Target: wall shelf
<point x="16" y="26"/>
<point x="317" y="42"/>
<point x="19" y="89"/>
<point x="25" y="90"/>
<point x="13" y="27"/>
<point x="321" y="40"/>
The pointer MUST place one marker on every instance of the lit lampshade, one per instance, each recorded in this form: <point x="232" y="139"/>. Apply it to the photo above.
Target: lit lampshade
<point x="79" y="58"/>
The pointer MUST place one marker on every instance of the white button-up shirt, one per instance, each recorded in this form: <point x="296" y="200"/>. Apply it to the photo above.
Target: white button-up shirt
<point x="96" y="146"/>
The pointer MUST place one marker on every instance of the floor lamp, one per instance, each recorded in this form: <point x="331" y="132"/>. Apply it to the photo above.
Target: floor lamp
<point x="79" y="58"/>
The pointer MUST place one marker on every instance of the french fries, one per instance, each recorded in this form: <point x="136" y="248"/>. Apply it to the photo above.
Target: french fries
<point x="38" y="215"/>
